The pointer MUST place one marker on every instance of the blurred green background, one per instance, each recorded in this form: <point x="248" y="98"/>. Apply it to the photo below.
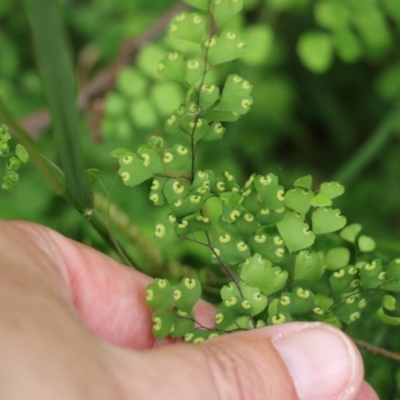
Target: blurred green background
<point x="326" y="76"/>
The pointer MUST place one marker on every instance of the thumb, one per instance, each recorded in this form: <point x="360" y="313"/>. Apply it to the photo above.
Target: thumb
<point x="310" y="361"/>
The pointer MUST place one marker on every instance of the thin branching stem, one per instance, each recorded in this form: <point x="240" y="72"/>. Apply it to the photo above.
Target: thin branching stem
<point x="377" y="350"/>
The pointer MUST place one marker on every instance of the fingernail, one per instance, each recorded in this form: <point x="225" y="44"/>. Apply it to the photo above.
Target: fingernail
<point x="322" y="361"/>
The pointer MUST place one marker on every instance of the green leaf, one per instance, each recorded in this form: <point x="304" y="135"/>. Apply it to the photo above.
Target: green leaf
<point x="326" y="220"/>
<point x="156" y="194"/>
<point x="21" y="153"/>
<point x="148" y="58"/>
<point x="226" y="182"/>
<point x="187" y="293"/>
<point x="389" y="302"/>
<point x="305" y="182"/>
<point x="331" y="189"/>
<point x="118" y="153"/>
<point x="347" y="45"/>
<point x="194" y="70"/>
<point x="215" y="132"/>
<point x="189" y="205"/>
<point x="132" y="170"/>
<point x="295" y="232"/>
<point x="269" y="246"/>
<point x="4" y="137"/>
<point x="165" y="231"/>
<point x="225" y="9"/>
<point x="173" y="123"/>
<point x="378" y="40"/>
<point x="244" y="225"/>
<point x="251" y="201"/>
<point x="258" y="272"/>
<point x="162" y="323"/>
<point x="162" y="90"/>
<point x="222" y="115"/>
<point x="192" y="224"/>
<point x="131" y="82"/>
<point x="231" y="250"/>
<point x="345" y="280"/>
<point x="154" y="143"/>
<point x="298" y="200"/>
<point x="177" y="158"/>
<point x="226" y="47"/>
<point x="350" y="308"/>
<point x="142" y="114"/>
<point x="227" y="291"/>
<point x="243" y="322"/>
<point x="386" y="318"/>
<point x="151" y="160"/>
<point x="208" y="96"/>
<point x="174" y="190"/>
<point x="230" y="310"/>
<point x="279" y="318"/>
<point x="271" y="194"/>
<point x="264" y="200"/>
<point x="333" y="320"/>
<point x="191" y="27"/>
<point x="321" y="200"/>
<point x="235" y="96"/>
<point x="257" y="300"/>
<point x="350" y="232"/>
<point x="200" y="335"/>
<point x="223" y="320"/>
<point x="259" y="39"/>
<point x="299" y="301"/>
<point x="392" y="9"/>
<point x="172" y="67"/>
<point x="372" y="274"/>
<point x="332" y="15"/>
<point x="200" y="4"/>
<point x="49" y="34"/>
<point x="115" y="105"/>
<point x="202" y="180"/>
<point x="366" y="243"/>
<point x="337" y="257"/>
<point x="13" y="164"/>
<point x="199" y="128"/>
<point x="266" y="216"/>
<point x="159" y="294"/>
<point x="183" y="323"/>
<point x="315" y="51"/>
<point x="324" y="302"/>
<point x="309" y="265"/>
<point x="393" y="276"/>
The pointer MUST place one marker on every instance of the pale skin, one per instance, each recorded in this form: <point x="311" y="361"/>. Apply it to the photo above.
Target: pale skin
<point x="74" y="325"/>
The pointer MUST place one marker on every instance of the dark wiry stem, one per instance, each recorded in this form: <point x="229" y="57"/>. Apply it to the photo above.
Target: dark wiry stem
<point x="377" y="350"/>
<point x="194" y="147"/>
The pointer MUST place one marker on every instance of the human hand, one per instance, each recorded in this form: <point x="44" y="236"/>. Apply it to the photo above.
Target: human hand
<point x="74" y="325"/>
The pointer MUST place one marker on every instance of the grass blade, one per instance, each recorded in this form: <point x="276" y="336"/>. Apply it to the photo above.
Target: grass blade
<point x="370" y="150"/>
<point x="54" y="60"/>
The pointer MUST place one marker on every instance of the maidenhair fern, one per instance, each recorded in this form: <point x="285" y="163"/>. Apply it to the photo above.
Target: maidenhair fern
<point x="289" y="254"/>
<point x="14" y="159"/>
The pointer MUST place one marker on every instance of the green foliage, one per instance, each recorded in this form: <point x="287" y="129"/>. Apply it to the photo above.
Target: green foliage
<point x="14" y="159"/>
<point x="339" y="124"/>
<point x="346" y="32"/>
<point x="48" y="34"/>
<point x="274" y="244"/>
<point x="174" y="316"/>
